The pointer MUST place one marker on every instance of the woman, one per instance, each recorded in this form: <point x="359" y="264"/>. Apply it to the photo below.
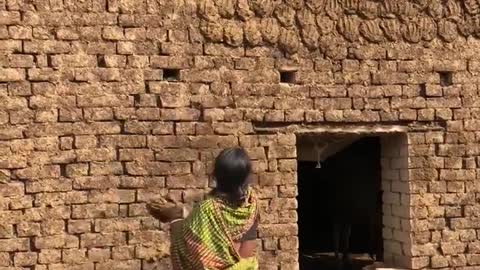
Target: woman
<point x="221" y="231"/>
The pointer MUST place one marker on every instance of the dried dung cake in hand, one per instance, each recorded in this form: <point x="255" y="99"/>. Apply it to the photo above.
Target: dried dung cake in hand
<point x="166" y="211"/>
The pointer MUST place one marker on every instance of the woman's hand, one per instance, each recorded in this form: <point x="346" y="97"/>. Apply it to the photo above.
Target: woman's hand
<point x="165" y="211"/>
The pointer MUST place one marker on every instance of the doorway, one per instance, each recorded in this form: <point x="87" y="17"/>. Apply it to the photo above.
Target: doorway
<point x="338" y="179"/>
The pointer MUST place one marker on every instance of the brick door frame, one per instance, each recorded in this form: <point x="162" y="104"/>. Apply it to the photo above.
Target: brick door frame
<point x="396" y="218"/>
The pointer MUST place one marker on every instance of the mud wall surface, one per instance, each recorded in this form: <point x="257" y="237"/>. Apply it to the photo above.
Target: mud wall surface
<point x="106" y="105"/>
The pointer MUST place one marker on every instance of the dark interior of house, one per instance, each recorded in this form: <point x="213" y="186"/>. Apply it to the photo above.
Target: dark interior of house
<point x="348" y="184"/>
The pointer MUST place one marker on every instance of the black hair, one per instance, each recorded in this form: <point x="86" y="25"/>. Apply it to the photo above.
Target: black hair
<point x="231" y="172"/>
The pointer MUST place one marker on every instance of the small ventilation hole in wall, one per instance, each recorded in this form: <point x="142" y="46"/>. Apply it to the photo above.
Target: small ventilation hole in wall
<point x="288" y="76"/>
<point x="63" y="170"/>
<point x="101" y="62"/>
<point x="423" y="89"/>
<point x="171" y="74"/>
<point x="137" y="100"/>
<point x="446" y="78"/>
<point x="50" y="60"/>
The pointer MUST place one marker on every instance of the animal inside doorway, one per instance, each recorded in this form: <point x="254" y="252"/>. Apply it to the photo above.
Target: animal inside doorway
<point x="340" y="190"/>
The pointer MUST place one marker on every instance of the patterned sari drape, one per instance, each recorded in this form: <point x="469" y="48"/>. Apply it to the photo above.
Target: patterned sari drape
<point x="205" y="239"/>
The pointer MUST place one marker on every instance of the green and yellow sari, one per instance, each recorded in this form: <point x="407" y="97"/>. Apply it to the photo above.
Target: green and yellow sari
<point x="205" y="239"/>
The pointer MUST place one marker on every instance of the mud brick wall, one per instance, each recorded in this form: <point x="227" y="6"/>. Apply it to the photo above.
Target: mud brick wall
<point x="396" y="205"/>
<point x="106" y="105"/>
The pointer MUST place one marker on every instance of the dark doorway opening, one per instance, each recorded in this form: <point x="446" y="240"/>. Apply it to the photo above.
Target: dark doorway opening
<point x="349" y="181"/>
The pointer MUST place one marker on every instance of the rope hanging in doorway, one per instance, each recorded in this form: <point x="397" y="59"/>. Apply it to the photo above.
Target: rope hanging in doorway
<point x="319" y="164"/>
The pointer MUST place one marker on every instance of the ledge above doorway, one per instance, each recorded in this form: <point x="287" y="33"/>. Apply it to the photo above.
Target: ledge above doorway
<point x="337" y="128"/>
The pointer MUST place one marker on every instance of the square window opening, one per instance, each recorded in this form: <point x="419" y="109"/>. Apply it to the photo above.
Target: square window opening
<point x="288" y="77"/>
<point x="171" y="74"/>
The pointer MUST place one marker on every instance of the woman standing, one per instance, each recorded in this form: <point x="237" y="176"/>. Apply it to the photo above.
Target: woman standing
<point x="221" y="231"/>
